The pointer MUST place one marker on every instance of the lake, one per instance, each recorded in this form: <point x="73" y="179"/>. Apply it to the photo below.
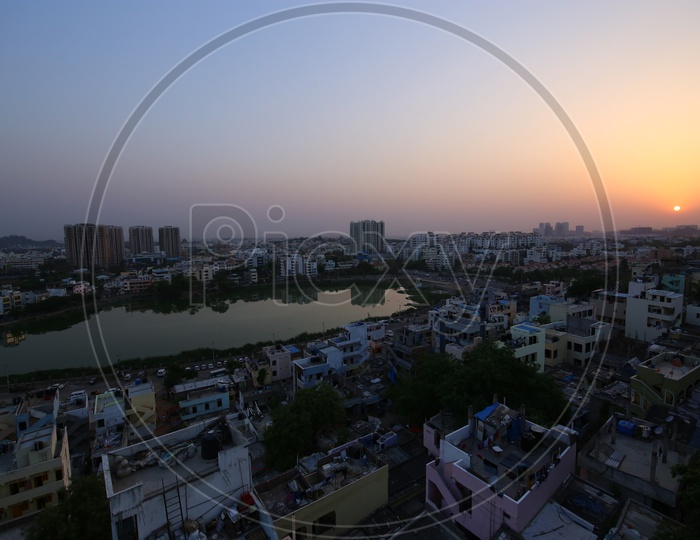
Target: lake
<point x="134" y="330"/>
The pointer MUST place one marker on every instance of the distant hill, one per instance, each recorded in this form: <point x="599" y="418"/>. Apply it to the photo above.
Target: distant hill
<point x="13" y="241"/>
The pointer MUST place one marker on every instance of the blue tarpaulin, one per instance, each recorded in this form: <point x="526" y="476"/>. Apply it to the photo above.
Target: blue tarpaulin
<point x="483" y="415"/>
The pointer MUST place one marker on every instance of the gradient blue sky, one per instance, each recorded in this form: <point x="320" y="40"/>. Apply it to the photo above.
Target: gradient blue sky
<point x="344" y="117"/>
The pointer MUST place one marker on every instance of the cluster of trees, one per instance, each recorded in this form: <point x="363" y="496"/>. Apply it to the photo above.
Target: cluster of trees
<point x="441" y="383"/>
<point x="295" y="427"/>
<point x="83" y="512"/>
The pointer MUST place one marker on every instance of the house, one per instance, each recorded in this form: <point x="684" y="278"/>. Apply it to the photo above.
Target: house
<point x="32" y="473"/>
<point x="343" y="354"/>
<point x="652" y="313"/>
<point x="205" y="402"/>
<point x="574" y="341"/>
<point x="667" y="379"/>
<point x="528" y="342"/>
<point x="635" y="456"/>
<point x="327" y="493"/>
<point x="498" y="470"/>
<point x="154" y="487"/>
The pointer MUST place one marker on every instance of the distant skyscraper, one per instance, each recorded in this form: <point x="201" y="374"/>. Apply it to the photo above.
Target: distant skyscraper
<point x="87" y="243"/>
<point x="579" y="229"/>
<point x="367" y="236"/>
<point x="545" y="229"/>
<point x="169" y="241"/>
<point x="141" y="239"/>
<point x="561" y="229"/>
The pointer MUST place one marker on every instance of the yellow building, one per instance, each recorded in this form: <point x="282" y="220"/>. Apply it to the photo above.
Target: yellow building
<point x="32" y="475"/>
<point x="326" y="495"/>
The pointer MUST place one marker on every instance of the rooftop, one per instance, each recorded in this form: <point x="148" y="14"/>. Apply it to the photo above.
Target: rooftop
<point x="173" y="457"/>
<point x="642" y="520"/>
<point x="632" y="454"/>
<point x="315" y="477"/>
<point x="511" y="453"/>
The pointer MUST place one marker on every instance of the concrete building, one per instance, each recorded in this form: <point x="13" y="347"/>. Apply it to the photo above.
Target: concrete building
<point x="636" y="457"/>
<point x="574" y="341"/>
<point x="528" y="341"/>
<point x="88" y="244"/>
<point x="123" y="412"/>
<point x="204" y="402"/>
<point x="169" y="241"/>
<point x="327" y="493"/>
<point x="367" y="236"/>
<point x="279" y="359"/>
<point x="341" y="355"/>
<point x="409" y="343"/>
<point x="652" y="313"/>
<point x="201" y="470"/>
<point x="498" y="470"/>
<point x="666" y="379"/>
<point x="32" y="473"/>
<point x="141" y="240"/>
<point x="611" y="307"/>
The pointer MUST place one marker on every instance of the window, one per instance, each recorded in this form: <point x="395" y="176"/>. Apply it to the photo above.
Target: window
<point x="22" y="425"/>
<point x="101" y="422"/>
<point x="59" y="475"/>
<point x="274" y="373"/>
<point x="206" y="406"/>
<point x="578" y="347"/>
<point x="324" y="523"/>
<point x="219" y="403"/>
<point x="635" y="397"/>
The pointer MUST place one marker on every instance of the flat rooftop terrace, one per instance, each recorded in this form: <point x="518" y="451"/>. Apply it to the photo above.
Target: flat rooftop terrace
<point x="286" y="494"/>
<point x="182" y="450"/>
<point x="632" y="455"/>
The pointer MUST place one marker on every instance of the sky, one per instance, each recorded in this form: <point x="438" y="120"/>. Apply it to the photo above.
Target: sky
<point x="305" y="125"/>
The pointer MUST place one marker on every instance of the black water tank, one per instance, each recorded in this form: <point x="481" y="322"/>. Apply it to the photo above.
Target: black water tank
<point x="210" y="447"/>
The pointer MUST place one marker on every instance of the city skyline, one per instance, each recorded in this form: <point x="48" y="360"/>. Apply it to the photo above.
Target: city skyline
<point x="336" y="117"/>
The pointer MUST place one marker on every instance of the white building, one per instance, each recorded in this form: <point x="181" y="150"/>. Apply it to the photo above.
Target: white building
<point x="652" y="313"/>
<point x="153" y="487"/>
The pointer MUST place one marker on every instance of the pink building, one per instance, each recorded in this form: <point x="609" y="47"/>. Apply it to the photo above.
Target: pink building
<point x="499" y="469"/>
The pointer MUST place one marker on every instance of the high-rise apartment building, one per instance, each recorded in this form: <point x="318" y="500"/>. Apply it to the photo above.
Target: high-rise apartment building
<point x="367" y="236"/>
<point x="141" y="239"/>
<point x="88" y="244"/>
<point x="169" y="241"/>
<point x="561" y="229"/>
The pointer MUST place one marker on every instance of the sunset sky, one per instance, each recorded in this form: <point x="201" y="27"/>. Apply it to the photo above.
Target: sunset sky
<point x="342" y="117"/>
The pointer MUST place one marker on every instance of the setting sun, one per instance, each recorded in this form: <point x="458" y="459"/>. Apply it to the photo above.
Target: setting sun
<point x="676" y="208"/>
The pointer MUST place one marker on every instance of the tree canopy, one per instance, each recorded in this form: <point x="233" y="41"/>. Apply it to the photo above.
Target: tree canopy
<point x="82" y="513"/>
<point x="294" y="427"/>
<point x="441" y="382"/>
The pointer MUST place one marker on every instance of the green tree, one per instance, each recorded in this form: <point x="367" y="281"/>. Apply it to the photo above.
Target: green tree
<point x="689" y="499"/>
<point x="174" y="375"/>
<point x="543" y="318"/>
<point x="294" y="427"/>
<point x="442" y="383"/>
<point x="82" y="513"/>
